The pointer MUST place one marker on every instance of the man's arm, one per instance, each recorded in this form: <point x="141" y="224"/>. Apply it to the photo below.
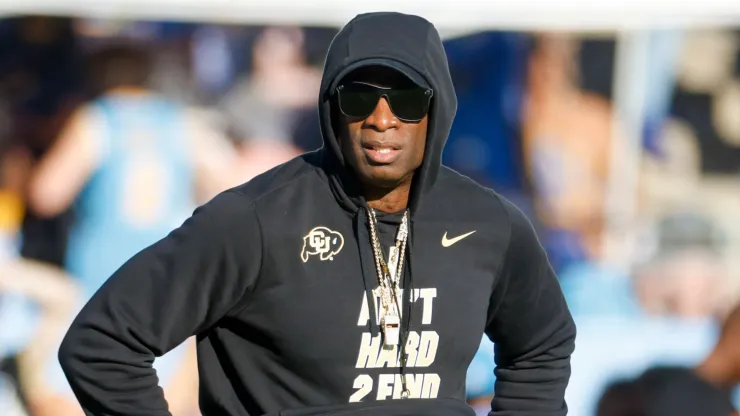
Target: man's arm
<point x="174" y="289"/>
<point x="214" y="160"/>
<point x="531" y="327"/>
<point x="67" y="166"/>
<point x="47" y="285"/>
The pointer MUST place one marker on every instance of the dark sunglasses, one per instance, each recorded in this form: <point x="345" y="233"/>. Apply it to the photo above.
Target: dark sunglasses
<point x="359" y="99"/>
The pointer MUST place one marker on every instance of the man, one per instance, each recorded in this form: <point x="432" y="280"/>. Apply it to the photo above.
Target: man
<point x="284" y="282"/>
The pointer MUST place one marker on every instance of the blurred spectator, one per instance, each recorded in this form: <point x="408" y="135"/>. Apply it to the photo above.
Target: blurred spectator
<point x="127" y="117"/>
<point x="566" y="137"/>
<point x="34" y="298"/>
<point x="270" y="103"/>
<point x="676" y="391"/>
<point x="622" y="398"/>
<point x="721" y="368"/>
<point x="265" y="110"/>
<point x="664" y="391"/>
<point x="680" y="275"/>
<point x="685" y="277"/>
<point x="665" y="314"/>
<point x="130" y="162"/>
<point x="615" y="347"/>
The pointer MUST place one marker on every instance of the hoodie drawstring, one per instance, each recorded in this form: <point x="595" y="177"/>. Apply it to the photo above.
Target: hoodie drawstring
<point x="408" y="284"/>
<point x="366" y="262"/>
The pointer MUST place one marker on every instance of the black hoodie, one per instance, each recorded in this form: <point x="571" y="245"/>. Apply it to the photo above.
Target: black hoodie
<point x="275" y="279"/>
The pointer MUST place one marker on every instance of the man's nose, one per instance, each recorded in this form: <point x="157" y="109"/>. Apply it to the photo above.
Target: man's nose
<point x="382" y="118"/>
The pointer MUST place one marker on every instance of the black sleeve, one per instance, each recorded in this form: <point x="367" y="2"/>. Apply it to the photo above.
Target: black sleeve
<point x="531" y="327"/>
<point x="172" y="290"/>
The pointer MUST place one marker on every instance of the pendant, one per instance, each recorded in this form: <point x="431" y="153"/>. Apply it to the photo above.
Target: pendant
<point x="391" y="324"/>
<point x="393" y="263"/>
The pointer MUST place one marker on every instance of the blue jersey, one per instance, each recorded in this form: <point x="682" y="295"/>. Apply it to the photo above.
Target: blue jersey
<point x="140" y="192"/>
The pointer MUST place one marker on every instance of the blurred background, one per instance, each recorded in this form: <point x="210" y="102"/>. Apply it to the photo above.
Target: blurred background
<point x="616" y="128"/>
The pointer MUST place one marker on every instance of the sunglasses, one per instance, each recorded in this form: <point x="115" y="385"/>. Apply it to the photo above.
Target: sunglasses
<point x="359" y="99"/>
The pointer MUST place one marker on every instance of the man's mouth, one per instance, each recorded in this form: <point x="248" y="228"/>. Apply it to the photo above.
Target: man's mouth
<point x="379" y="146"/>
<point x="382" y="150"/>
<point x="381" y="154"/>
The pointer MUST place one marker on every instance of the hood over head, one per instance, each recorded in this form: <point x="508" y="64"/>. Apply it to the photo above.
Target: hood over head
<point x="403" y="42"/>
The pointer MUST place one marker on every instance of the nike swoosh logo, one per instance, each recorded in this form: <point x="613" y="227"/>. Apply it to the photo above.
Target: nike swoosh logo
<point x="446" y="242"/>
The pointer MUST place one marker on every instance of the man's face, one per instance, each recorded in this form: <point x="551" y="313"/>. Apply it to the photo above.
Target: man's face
<point x="383" y="150"/>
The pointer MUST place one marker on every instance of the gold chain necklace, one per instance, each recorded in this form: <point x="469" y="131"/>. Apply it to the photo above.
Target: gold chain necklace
<point x="388" y="281"/>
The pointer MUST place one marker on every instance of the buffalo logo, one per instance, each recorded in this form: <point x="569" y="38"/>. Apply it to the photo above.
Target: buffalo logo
<point x="323" y="242"/>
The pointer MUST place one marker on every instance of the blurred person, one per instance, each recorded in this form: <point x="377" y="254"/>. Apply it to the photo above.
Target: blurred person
<point x="268" y="274"/>
<point x="664" y="391"/>
<point x="271" y="101"/>
<point x="617" y="347"/>
<point x="648" y="396"/>
<point x="685" y="277"/>
<point x="261" y="111"/>
<point x="132" y="164"/>
<point x="622" y="398"/>
<point x="704" y="389"/>
<point x="679" y="274"/>
<point x="35" y="298"/>
<point x="566" y="139"/>
<point x="677" y="391"/>
<point x="721" y="368"/>
<point x="665" y="312"/>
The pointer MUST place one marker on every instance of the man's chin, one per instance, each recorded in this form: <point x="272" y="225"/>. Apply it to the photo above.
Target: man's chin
<point x="384" y="177"/>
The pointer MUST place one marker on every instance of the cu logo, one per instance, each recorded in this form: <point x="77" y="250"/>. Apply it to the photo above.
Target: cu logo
<point x="321" y="242"/>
